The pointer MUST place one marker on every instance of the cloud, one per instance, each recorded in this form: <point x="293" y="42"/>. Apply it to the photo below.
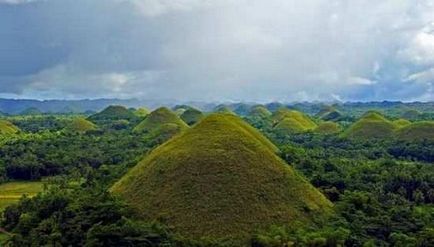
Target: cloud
<point x="217" y="50"/>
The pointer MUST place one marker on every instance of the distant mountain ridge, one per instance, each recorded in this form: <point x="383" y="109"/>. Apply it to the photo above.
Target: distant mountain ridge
<point x="18" y="106"/>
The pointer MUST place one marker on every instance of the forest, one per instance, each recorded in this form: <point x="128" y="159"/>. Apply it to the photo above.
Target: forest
<point x="234" y="175"/>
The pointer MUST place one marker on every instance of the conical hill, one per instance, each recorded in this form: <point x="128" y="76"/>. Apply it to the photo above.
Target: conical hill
<point x="220" y="179"/>
<point x="158" y="118"/>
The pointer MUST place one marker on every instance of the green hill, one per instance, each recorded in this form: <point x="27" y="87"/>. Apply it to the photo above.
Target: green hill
<point x="290" y="121"/>
<point x="141" y="112"/>
<point x="113" y="112"/>
<point x="224" y="109"/>
<point x="329" y="113"/>
<point x="423" y="130"/>
<point x="192" y="116"/>
<point x="260" y="111"/>
<point x="8" y="128"/>
<point x="283" y="113"/>
<point x="328" y="128"/>
<point x="372" y="125"/>
<point x="80" y="125"/>
<point x="401" y="122"/>
<point x="218" y="180"/>
<point x="158" y="118"/>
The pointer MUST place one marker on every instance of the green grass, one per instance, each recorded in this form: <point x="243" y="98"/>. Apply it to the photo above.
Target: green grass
<point x="11" y="192"/>
<point x="3" y="238"/>
<point x="423" y="130"/>
<point x="371" y="126"/>
<point x="191" y="116"/>
<point x="301" y="118"/>
<point x="158" y="118"/>
<point x="260" y="111"/>
<point x="7" y="128"/>
<point x="225" y="110"/>
<point x="80" y="125"/>
<point x="328" y="128"/>
<point x="401" y="122"/>
<point x="220" y="179"/>
<point x="113" y="112"/>
<point x="142" y="112"/>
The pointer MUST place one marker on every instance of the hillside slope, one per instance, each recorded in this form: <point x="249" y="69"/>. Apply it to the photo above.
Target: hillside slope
<point x="219" y="180"/>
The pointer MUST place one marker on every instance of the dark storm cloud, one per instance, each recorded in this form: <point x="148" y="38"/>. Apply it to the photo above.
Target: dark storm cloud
<point x="202" y="50"/>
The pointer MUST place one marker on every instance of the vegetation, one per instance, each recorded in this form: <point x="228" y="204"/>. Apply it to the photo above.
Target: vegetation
<point x="7" y="128"/>
<point x="218" y="180"/>
<point x="80" y="125"/>
<point x="141" y="112"/>
<point x="371" y="125"/>
<point x="191" y="116"/>
<point x="158" y="118"/>
<point x="260" y="111"/>
<point x="114" y="112"/>
<point x="328" y="128"/>
<point x="382" y="189"/>
<point x="11" y="192"/>
<point x="423" y="130"/>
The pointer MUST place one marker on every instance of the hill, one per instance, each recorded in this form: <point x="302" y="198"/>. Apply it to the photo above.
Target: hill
<point x="113" y="112"/>
<point x="224" y="109"/>
<point x="158" y="118"/>
<point x="192" y="116"/>
<point x="80" y="125"/>
<point x="372" y="125"/>
<point x="401" y="122"/>
<point x="328" y="128"/>
<point x="8" y="128"/>
<point x="329" y="113"/>
<point x="260" y="111"/>
<point x="423" y="130"/>
<point x="219" y="180"/>
<point x="283" y="113"/>
<point x="141" y="112"/>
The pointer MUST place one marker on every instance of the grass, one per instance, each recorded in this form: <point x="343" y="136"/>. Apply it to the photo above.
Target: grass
<point x="113" y="112"/>
<point x="423" y="130"/>
<point x="142" y="112"/>
<point x="401" y="122"/>
<point x="328" y="128"/>
<point x="11" y="192"/>
<point x="191" y="116"/>
<point x="7" y="128"/>
<point x="371" y="126"/>
<point x="260" y="111"/>
<point x="220" y="179"/>
<point x="159" y="117"/>
<point x="80" y="125"/>
<point x="297" y="116"/>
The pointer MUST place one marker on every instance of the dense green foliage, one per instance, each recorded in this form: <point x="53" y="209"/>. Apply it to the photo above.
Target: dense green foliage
<point x="192" y="116"/>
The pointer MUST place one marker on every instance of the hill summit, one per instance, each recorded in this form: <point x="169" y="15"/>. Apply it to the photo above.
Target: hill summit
<point x="291" y="121"/>
<point x="159" y="118"/>
<point x="8" y="128"/>
<point x="260" y="111"/>
<point x="191" y="116"/>
<point x="417" y="131"/>
<point x="113" y="112"/>
<point x="371" y="125"/>
<point x="80" y="125"/>
<point x="220" y="179"/>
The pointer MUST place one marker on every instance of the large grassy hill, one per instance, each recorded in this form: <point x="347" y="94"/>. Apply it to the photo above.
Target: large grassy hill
<point x="220" y="179"/>
<point x="8" y="128"/>
<point x="423" y="130"/>
<point x="371" y="125"/>
<point x="158" y="118"/>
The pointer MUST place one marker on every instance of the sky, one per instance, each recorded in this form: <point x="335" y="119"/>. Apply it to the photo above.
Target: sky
<point x="218" y="50"/>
